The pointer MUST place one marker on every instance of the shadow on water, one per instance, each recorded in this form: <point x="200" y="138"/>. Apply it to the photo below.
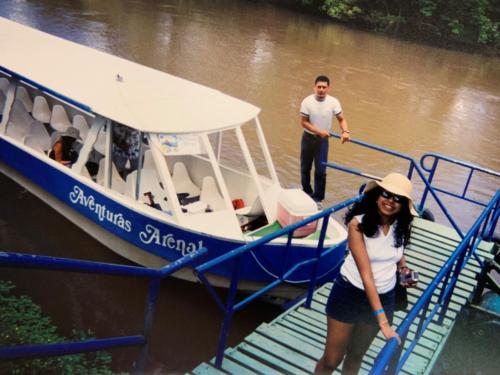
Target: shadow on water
<point x="475" y="336"/>
<point x="187" y="320"/>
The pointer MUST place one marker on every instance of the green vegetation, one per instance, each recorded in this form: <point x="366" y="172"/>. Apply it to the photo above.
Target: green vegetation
<point x="473" y="23"/>
<point x="22" y="322"/>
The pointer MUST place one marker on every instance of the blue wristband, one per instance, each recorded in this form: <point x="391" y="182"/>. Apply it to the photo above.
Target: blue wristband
<point x="378" y="312"/>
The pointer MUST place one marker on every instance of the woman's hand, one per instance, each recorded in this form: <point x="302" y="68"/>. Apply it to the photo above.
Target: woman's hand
<point x="410" y="283"/>
<point x="389" y="332"/>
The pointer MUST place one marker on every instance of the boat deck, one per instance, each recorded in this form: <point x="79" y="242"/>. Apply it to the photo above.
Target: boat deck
<point x="294" y="341"/>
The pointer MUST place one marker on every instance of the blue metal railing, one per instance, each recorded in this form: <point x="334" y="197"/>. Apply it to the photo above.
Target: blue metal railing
<point x="231" y="306"/>
<point x="92" y="345"/>
<point x="235" y="255"/>
<point x="434" y="159"/>
<point x="387" y="361"/>
<point x="413" y="166"/>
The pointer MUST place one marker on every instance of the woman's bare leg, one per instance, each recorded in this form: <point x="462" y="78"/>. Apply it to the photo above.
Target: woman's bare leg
<point x="361" y="338"/>
<point x="337" y="338"/>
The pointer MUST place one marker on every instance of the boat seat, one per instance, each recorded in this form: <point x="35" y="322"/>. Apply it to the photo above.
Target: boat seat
<point x="41" y="110"/>
<point x="117" y="183"/>
<point x="2" y="103"/>
<point x="4" y="85"/>
<point x="85" y="173"/>
<point x="182" y="182"/>
<point x="255" y="209"/>
<point x="20" y="121"/>
<point x="59" y="120"/>
<point x="149" y="162"/>
<point x="24" y="97"/>
<point x="210" y="194"/>
<point x="40" y="133"/>
<point x="80" y="123"/>
<point x="149" y="184"/>
<point x="32" y="142"/>
<point x="100" y="143"/>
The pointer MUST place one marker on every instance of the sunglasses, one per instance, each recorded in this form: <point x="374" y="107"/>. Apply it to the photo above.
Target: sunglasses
<point x="388" y="195"/>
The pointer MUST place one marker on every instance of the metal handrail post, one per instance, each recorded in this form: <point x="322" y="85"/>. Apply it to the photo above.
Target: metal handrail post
<point x="154" y="287"/>
<point x="288" y="248"/>
<point x="429" y="178"/>
<point x="467" y="183"/>
<point x="448" y="292"/>
<point x="228" y="314"/>
<point x="424" y="310"/>
<point x="493" y="223"/>
<point x="319" y="251"/>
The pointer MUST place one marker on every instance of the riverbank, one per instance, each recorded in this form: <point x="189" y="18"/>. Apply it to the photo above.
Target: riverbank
<point x="463" y="27"/>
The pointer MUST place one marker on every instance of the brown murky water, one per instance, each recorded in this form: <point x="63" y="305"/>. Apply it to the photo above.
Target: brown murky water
<point x="400" y="95"/>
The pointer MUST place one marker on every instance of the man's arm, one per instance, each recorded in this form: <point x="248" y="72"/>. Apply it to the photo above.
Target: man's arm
<point x="345" y="136"/>
<point x="306" y="124"/>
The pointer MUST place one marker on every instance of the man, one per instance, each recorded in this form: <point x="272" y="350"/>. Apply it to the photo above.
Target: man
<point x="316" y="113"/>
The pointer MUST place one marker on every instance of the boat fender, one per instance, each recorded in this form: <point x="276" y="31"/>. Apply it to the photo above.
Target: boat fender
<point x="427" y="215"/>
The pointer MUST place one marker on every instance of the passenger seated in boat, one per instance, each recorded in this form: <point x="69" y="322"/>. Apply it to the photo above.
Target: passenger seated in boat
<point x="63" y="146"/>
<point x="126" y="146"/>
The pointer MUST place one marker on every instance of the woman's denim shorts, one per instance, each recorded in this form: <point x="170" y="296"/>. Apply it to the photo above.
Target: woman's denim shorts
<point x="349" y="304"/>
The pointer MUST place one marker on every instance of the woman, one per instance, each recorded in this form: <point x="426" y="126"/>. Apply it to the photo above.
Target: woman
<point x="362" y="298"/>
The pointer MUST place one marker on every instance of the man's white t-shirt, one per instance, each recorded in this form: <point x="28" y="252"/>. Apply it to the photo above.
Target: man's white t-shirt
<point x="320" y="113"/>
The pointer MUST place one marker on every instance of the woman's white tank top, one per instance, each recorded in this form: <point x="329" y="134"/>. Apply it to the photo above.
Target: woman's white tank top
<point x="384" y="257"/>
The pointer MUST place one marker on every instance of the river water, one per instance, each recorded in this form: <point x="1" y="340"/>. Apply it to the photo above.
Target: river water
<point x="405" y="96"/>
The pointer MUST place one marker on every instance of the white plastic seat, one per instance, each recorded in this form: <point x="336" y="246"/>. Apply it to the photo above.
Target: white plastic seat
<point x="32" y="142"/>
<point x="4" y="85"/>
<point x="100" y="143"/>
<point x="19" y="124"/>
<point x="80" y="123"/>
<point x="149" y="183"/>
<point x="41" y="110"/>
<point x="148" y="160"/>
<point x="85" y="173"/>
<point x="117" y="183"/>
<point x="3" y="99"/>
<point x="210" y="194"/>
<point x="38" y="131"/>
<point x="24" y="97"/>
<point x="182" y="182"/>
<point x="59" y="120"/>
<point x="255" y="209"/>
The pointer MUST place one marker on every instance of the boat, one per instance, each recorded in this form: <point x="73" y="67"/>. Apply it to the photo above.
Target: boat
<point x="193" y="181"/>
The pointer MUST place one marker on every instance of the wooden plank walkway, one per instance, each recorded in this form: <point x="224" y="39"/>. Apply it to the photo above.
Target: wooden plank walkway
<point x="294" y="341"/>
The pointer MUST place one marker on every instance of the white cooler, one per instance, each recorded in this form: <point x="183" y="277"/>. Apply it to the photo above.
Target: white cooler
<point x="295" y="205"/>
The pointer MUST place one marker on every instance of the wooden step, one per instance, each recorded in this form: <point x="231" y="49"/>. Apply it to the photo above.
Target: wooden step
<point x="294" y="341"/>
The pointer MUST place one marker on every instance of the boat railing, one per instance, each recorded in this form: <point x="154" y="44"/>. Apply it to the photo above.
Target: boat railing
<point x="390" y="359"/>
<point x="230" y="305"/>
<point x="11" y="259"/>
<point x="412" y="167"/>
<point x="430" y="162"/>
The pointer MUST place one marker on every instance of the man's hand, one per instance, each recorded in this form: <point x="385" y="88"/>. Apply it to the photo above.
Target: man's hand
<point x="323" y="133"/>
<point x="345" y="137"/>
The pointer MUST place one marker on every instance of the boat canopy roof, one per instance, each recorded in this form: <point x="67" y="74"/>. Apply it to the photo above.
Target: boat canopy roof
<point x="129" y="93"/>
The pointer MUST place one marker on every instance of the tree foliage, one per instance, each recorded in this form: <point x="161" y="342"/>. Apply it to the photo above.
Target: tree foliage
<point x="22" y="322"/>
<point x="462" y="21"/>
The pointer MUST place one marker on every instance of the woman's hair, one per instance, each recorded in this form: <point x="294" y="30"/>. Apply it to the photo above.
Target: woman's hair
<point x="371" y="219"/>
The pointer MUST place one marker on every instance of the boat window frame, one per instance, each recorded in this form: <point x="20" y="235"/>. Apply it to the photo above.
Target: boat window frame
<point x="253" y="174"/>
